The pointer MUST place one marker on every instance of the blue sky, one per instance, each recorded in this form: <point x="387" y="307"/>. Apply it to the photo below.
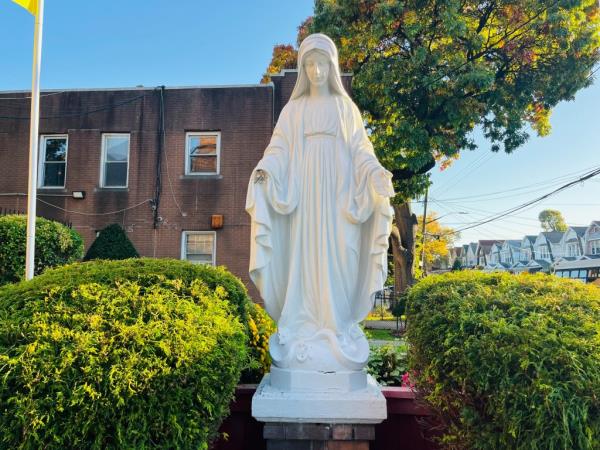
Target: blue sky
<point x="129" y="43"/>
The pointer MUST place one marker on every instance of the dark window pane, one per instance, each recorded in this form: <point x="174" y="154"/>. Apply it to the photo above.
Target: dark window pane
<point x="115" y="174"/>
<point x="203" y="164"/>
<point x="54" y="174"/>
<point x="56" y="149"/>
<point x="117" y="148"/>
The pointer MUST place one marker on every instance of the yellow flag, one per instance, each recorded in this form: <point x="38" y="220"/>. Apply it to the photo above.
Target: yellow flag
<point x="29" y="5"/>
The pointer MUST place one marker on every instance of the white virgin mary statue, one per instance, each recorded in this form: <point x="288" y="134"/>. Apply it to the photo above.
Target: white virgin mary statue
<point x="321" y="217"/>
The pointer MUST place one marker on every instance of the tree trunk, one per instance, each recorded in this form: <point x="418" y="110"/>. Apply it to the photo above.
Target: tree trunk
<point x="403" y="237"/>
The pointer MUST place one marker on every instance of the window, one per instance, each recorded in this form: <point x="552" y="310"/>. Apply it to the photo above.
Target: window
<point x="595" y="247"/>
<point x="199" y="247"/>
<point x="543" y="252"/>
<point x="53" y="161"/>
<point x="572" y="249"/>
<point x="202" y="150"/>
<point x="115" y="160"/>
<point x="525" y="254"/>
<point x="494" y="257"/>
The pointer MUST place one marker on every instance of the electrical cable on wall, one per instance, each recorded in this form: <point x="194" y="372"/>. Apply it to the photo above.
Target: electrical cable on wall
<point x="166" y="151"/>
<point x="80" y="113"/>
<point x="95" y="214"/>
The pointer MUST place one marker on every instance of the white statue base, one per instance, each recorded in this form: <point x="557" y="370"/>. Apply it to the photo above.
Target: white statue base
<point x="351" y="397"/>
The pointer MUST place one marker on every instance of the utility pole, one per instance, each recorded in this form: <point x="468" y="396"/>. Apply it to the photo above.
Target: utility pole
<point x="423" y="232"/>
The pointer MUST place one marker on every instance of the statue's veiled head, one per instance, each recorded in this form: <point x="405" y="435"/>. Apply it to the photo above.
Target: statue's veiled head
<point x="315" y="52"/>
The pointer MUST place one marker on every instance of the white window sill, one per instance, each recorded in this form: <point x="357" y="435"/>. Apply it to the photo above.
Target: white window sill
<point x="111" y="189"/>
<point x="50" y="190"/>
<point x="201" y="176"/>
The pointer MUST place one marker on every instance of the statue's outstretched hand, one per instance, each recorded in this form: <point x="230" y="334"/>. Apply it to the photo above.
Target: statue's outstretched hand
<point x="260" y="176"/>
<point x="382" y="183"/>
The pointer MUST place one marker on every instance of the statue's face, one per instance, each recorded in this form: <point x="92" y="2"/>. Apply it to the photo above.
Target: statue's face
<point x="317" y="68"/>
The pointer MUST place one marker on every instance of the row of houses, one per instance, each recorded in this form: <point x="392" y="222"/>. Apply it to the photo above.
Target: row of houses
<point x="574" y="253"/>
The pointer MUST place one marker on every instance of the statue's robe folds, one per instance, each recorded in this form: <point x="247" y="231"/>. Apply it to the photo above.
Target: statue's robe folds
<point x="319" y="233"/>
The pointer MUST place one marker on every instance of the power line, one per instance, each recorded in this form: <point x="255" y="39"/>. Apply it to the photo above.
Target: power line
<point x="461" y="173"/>
<point x="29" y="97"/>
<point x="80" y="113"/>
<point x="511" y="230"/>
<point x="530" y="203"/>
<point x="542" y="184"/>
<point x="483" y="162"/>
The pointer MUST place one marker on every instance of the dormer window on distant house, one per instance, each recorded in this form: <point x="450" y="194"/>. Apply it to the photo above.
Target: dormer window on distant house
<point x="505" y="255"/>
<point x="202" y="153"/>
<point x="543" y="252"/>
<point x="495" y="255"/>
<point x="525" y="255"/>
<point x="594" y="247"/>
<point x="572" y="249"/>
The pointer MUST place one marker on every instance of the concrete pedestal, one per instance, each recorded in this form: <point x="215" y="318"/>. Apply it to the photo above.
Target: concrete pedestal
<point x="311" y="436"/>
<point x="291" y="399"/>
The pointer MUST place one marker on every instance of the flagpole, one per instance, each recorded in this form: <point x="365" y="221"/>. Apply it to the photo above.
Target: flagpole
<point x="34" y="141"/>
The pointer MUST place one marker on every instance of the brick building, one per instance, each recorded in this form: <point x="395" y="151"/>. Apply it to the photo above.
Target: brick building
<point x="170" y="165"/>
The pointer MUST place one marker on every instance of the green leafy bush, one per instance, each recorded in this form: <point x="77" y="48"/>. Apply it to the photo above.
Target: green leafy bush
<point x="119" y="354"/>
<point x="508" y="362"/>
<point x="387" y="364"/>
<point x="261" y="327"/>
<point x="55" y="245"/>
<point x="112" y="243"/>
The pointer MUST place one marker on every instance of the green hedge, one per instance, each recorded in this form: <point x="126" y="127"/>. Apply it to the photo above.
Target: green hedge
<point x="55" y="245"/>
<point x="112" y="243"/>
<point x="120" y="354"/>
<point x="508" y="362"/>
<point x="260" y="328"/>
<point x="145" y="271"/>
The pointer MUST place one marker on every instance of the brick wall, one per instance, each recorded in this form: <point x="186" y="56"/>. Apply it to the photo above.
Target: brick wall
<point x="243" y="115"/>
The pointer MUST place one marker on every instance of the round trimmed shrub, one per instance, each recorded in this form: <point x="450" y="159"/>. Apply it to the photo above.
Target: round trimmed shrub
<point x="55" y="245"/>
<point x="112" y="243"/>
<point x="508" y="362"/>
<point x="120" y="354"/>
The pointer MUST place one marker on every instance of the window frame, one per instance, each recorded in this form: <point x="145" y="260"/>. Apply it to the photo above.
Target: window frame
<point x="184" y="235"/>
<point x="594" y="246"/>
<point x="42" y="160"/>
<point x="188" y="171"/>
<point x="572" y="249"/>
<point x="103" y="161"/>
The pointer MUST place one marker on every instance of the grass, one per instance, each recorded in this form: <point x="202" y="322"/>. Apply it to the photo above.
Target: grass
<point x="380" y="335"/>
